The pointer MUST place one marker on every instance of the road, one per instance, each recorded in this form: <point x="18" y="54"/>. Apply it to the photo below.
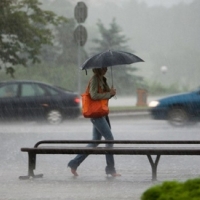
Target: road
<point x="92" y="183"/>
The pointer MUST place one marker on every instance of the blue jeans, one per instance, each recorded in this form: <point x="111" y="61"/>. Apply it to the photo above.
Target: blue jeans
<point x="101" y="128"/>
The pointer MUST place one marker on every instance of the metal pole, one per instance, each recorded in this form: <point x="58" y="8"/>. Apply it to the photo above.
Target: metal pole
<point x="79" y="71"/>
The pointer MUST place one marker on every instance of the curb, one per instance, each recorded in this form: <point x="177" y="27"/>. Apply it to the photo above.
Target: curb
<point x="135" y="114"/>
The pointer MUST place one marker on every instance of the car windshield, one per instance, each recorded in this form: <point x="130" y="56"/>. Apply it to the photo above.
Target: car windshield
<point x="9" y="90"/>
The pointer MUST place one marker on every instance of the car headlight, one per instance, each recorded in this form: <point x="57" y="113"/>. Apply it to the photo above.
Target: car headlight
<point x="153" y="104"/>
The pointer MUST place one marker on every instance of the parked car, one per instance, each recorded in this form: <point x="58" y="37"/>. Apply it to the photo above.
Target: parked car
<point x="32" y="100"/>
<point x="179" y="109"/>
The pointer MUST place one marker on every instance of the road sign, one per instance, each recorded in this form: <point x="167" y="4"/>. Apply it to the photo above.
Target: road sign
<point x="80" y="35"/>
<point x="80" y="12"/>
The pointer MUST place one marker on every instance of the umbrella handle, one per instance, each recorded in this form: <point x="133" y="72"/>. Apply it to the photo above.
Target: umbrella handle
<point x="112" y="82"/>
<point x="111" y="77"/>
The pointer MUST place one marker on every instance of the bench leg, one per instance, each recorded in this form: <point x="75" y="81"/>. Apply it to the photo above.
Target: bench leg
<point x="154" y="166"/>
<point x="31" y="167"/>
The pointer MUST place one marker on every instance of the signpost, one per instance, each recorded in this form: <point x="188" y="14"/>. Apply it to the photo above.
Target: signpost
<point x="80" y="33"/>
<point x="80" y="12"/>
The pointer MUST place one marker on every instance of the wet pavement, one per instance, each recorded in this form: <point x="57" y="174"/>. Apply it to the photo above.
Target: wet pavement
<point x="92" y="183"/>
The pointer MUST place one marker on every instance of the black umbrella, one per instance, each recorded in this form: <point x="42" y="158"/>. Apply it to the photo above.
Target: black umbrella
<point x="110" y="58"/>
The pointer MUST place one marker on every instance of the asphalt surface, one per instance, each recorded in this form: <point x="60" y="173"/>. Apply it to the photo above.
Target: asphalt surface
<point x="124" y="113"/>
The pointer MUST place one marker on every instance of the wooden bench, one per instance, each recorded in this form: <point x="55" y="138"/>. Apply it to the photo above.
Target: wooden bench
<point x="121" y="149"/>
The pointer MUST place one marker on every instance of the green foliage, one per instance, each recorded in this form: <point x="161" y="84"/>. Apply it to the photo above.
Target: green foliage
<point x="111" y="38"/>
<point x="24" y="28"/>
<point x="157" y="88"/>
<point x="64" y="49"/>
<point x="173" y="190"/>
<point x="67" y="43"/>
<point x="62" y="76"/>
<point x="11" y="71"/>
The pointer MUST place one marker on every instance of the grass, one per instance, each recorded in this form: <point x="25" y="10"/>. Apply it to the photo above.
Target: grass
<point x="128" y="108"/>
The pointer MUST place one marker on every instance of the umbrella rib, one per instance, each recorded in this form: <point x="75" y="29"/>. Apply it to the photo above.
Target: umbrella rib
<point x="110" y="58"/>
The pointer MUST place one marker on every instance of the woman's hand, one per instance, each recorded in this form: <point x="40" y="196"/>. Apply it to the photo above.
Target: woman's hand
<point x="112" y="92"/>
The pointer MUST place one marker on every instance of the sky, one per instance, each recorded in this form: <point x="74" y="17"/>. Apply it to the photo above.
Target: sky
<point x="166" y="3"/>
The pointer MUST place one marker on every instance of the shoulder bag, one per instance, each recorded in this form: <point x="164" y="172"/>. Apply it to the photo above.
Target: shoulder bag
<point x="93" y="108"/>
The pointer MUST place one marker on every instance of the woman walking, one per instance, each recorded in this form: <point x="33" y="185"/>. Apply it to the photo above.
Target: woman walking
<point x="101" y="126"/>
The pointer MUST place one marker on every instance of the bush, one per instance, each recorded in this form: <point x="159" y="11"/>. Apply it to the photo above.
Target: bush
<point x="157" y="88"/>
<point x="173" y="190"/>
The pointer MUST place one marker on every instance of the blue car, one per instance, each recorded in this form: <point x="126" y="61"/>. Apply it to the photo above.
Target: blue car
<point x="179" y="109"/>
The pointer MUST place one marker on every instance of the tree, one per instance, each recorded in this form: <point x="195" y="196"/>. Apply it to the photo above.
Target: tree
<point x="113" y="38"/>
<point x="67" y="43"/>
<point x="24" y="28"/>
<point x="63" y="55"/>
<point x="64" y="50"/>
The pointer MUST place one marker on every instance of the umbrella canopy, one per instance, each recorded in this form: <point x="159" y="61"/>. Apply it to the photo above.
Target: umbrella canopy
<point x="110" y="58"/>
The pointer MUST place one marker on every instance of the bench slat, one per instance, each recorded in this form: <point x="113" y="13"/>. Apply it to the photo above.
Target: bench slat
<point x="115" y="150"/>
<point x="117" y="142"/>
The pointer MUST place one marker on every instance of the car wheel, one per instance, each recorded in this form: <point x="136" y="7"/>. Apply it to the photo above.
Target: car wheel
<point x="178" y="117"/>
<point x="54" y="117"/>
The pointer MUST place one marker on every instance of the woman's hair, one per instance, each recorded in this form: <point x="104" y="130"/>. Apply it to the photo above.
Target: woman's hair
<point x="97" y="71"/>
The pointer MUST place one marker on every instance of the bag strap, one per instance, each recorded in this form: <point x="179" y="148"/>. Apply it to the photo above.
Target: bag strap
<point x="99" y="88"/>
<point x="87" y="89"/>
